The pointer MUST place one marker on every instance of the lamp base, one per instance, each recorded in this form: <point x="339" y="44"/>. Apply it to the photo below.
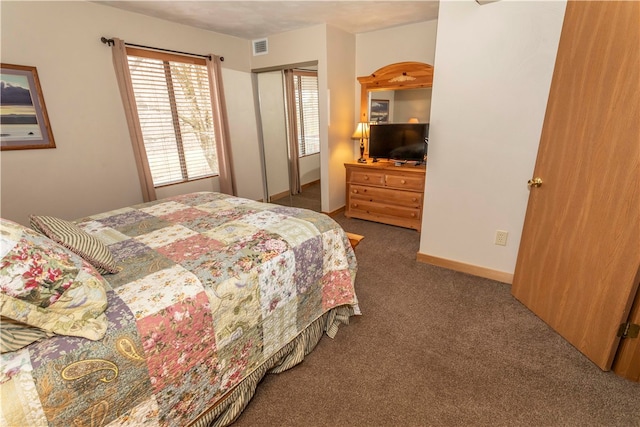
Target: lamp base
<point x="362" y="160"/>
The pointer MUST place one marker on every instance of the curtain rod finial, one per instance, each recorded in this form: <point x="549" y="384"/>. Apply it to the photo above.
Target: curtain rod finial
<point x="108" y="42"/>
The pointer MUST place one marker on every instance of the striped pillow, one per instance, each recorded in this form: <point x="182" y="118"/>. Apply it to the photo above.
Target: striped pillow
<point x="14" y="335"/>
<point x="90" y="248"/>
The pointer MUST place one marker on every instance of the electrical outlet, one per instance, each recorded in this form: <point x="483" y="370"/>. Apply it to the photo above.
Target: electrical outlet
<point x="501" y="237"/>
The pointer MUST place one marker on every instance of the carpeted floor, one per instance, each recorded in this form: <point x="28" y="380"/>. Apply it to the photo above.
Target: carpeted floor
<point x="439" y="348"/>
<point x="309" y="198"/>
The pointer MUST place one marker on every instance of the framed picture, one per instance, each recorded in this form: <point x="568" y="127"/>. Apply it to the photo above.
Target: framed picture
<point x="379" y="111"/>
<point x="24" y="123"/>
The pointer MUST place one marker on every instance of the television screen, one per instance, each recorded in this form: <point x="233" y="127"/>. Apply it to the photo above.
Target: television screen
<point x="398" y="141"/>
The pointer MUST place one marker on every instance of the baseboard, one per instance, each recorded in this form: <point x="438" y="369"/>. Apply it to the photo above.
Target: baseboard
<point x="487" y="273"/>
<point x="309" y="184"/>
<point x="279" y="196"/>
<point x="334" y="213"/>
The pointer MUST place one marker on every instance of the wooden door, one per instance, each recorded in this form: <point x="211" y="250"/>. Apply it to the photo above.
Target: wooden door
<point x="580" y="247"/>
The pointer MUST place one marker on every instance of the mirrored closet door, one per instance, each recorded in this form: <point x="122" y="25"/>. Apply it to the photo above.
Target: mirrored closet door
<point x="288" y="117"/>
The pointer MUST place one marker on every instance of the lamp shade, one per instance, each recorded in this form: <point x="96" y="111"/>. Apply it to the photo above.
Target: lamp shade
<point x="362" y="131"/>
<point x="414" y="120"/>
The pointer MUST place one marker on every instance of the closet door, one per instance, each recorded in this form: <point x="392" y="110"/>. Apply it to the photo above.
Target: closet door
<point x="580" y="247"/>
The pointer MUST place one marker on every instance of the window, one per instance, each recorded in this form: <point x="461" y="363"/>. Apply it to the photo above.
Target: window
<point x="173" y="99"/>
<point x="307" y="117"/>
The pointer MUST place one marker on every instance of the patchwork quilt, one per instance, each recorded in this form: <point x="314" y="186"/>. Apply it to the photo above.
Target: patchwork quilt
<point x="208" y="287"/>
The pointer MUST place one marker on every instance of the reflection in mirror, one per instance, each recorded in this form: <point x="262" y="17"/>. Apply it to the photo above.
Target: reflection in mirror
<point x="274" y="134"/>
<point x="400" y="106"/>
<point x="288" y="112"/>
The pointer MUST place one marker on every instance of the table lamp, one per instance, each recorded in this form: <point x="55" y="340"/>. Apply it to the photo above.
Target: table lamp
<point x="361" y="133"/>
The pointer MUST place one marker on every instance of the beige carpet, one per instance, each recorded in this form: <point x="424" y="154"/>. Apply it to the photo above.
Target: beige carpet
<point x="439" y="348"/>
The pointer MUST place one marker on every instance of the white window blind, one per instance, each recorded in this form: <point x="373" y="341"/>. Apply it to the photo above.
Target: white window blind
<point x="174" y="109"/>
<point x="308" y="122"/>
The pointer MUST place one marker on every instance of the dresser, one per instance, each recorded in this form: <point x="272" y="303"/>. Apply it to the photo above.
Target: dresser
<point x="385" y="193"/>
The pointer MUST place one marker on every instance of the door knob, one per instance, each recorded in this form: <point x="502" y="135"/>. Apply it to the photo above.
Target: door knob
<point x="535" y="182"/>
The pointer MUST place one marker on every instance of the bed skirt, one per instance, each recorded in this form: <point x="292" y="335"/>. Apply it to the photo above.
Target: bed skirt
<point x="225" y="411"/>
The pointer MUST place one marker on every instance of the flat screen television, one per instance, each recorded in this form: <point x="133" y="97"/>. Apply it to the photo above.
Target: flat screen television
<point x="398" y="141"/>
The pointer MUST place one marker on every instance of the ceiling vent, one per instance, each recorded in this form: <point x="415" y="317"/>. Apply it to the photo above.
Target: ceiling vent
<point x="260" y="47"/>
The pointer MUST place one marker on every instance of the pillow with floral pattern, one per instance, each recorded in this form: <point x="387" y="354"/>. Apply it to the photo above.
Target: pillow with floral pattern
<point x="44" y="285"/>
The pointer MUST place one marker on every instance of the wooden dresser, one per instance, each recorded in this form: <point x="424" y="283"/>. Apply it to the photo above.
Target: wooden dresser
<point x="385" y="193"/>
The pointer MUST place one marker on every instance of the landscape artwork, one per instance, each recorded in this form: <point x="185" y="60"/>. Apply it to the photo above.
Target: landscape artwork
<point x="23" y="117"/>
<point x="380" y="111"/>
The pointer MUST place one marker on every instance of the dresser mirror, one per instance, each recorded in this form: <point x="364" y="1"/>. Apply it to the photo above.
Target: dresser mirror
<point x="399" y="106"/>
<point x="399" y="92"/>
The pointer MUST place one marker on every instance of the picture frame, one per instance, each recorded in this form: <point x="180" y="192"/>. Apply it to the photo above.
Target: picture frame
<point x="24" y="123"/>
<point x="379" y="111"/>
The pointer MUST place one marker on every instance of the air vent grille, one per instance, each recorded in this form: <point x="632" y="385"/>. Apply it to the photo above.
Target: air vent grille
<point x="260" y="47"/>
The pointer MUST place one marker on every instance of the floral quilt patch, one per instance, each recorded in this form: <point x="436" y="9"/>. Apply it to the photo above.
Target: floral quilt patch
<point x="209" y="287"/>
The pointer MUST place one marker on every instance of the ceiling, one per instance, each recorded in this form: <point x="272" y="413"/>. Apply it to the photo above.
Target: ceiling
<point x="256" y="19"/>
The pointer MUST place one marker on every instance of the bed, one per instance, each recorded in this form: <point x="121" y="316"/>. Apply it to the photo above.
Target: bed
<point x="165" y="313"/>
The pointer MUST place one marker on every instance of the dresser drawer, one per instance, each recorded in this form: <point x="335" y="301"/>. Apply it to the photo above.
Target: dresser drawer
<point x="369" y="178"/>
<point x="405" y="182"/>
<point x="385" y="195"/>
<point x="382" y="209"/>
<point x="385" y="192"/>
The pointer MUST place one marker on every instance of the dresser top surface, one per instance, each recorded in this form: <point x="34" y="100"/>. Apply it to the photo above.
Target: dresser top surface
<point x="405" y="167"/>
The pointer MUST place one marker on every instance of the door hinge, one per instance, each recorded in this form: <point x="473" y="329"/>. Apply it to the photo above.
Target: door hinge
<point x="628" y="330"/>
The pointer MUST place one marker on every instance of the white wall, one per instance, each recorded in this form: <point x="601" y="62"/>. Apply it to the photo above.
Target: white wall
<point x="93" y="169"/>
<point x="413" y="42"/>
<point x="493" y="69"/>
<point x="309" y="169"/>
<point x="341" y="51"/>
<point x="334" y="51"/>
<point x="293" y="47"/>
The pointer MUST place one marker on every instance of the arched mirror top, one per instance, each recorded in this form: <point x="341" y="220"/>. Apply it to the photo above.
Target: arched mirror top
<point x="401" y="75"/>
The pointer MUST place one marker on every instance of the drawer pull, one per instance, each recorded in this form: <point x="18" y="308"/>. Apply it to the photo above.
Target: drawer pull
<point x="366" y="177"/>
<point x="413" y="215"/>
<point x="355" y="205"/>
<point x="402" y="181"/>
<point x="414" y="199"/>
<point x="355" y="191"/>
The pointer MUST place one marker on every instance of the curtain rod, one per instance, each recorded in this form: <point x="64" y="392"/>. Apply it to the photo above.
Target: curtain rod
<point x="109" y="42"/>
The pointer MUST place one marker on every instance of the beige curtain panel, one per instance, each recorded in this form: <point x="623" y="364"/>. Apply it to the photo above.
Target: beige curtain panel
<point x="221" y="126"/>
<point x="292" y="133"/>
<point x="121" y="66"/>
